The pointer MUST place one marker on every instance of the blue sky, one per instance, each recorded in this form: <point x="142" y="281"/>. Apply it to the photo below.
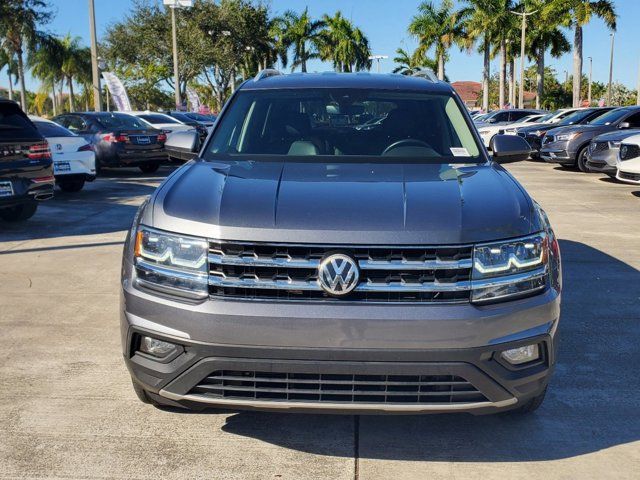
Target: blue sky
<point x="385" y="23"/>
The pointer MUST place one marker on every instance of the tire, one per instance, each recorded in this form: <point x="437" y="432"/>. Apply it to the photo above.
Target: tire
<point x="19" y="213"/>
<point x="581" y="160"/>
<point x="532" y="405"/>
<point x="71" y="185"/>
<point x="149" y="167"/>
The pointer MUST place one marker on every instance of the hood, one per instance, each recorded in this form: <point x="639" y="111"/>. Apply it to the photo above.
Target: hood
<point x="616" y="135"/>
<point x="356" y="203"/>
<point x="591" y="129"/>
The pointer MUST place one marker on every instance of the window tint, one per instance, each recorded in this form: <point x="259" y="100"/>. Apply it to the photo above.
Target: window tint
<point x="575" y="117"/>
<point x="199" y="117"/>
<point x="121" y="121"/>
<point x="518" y="115"/>
<point x="182" y="117"/>
<point x="15" y="124"/>
<point x="634" y="120"/>
<point x="344" y="122"/>
<point x="610" y="117"/>
<point x="48" y="129"/>
<point x="75" y="123"/>
<point x="156" y="119"/>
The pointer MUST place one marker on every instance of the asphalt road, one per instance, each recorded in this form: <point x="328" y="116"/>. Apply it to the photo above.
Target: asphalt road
<point x="67" y="409"/>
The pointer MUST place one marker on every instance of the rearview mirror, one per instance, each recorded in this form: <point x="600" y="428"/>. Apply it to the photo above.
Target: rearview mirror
<point x="509" y="148"/>
<point x="624" y="125"/>
<point x="183" y="145"/>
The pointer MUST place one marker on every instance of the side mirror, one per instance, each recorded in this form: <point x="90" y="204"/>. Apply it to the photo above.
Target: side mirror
<point x="624" y="125"/>
<point x="491" y="120"/>
<point x="509" y="148"/>
<point x="183" y="145"/>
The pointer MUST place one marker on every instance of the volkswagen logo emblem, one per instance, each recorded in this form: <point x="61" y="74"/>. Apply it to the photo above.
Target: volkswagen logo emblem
<point x="338" y="274"/>
<point x="59" y="147"/>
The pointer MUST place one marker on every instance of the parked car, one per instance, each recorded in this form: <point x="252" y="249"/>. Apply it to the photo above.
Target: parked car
<point x="487" y="132"/>
<point x="26" y="168"/>
<point x="206" y="120"/>
<point x="535" y="134"/>
<point x="163" y="122"/>
<point x="74" y="161"/>
<point x="602" y="154"/>
<point x="304" y="265"/>
<point x="530" y="121"/>
<point x="568" y="145"/>
<point x="119" y="139"/>
<point x="202" y="127"/>
<point x="628" y="162"/>
<point x="502" y="117"/>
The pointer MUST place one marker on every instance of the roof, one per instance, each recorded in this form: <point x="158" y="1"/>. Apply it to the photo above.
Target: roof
<point x="383" y="81"/>
<point x="468" y="91"/>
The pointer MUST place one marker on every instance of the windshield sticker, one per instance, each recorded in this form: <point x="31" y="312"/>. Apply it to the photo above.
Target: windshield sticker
<point x="459" y="152"/>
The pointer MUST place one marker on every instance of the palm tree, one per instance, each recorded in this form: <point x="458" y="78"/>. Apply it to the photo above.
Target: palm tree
<point x="8" y="61"/>
<point x="301" y="32"/>
<point x="543" y="33"/>
<point x="44" y="62"/>
<point x="343" y="44"/>
<point x="19" y="24"/>
<point x="72" y="59"/>
<point x="410" y="64"/>
<point x="578" y="13"/>
<point x="438" y="27"/>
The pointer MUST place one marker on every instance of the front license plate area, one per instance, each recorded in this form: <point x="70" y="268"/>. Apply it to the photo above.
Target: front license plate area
<point x="6" y="189"/>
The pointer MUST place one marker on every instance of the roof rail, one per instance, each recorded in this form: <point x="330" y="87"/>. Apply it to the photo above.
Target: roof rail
<point x="266" y="73"/>
<point x="427" y="75"/>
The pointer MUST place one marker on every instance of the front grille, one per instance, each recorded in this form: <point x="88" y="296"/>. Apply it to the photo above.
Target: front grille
<point x="337" y="388"/>
<point x="387" y="274"/>
<point x="627" y="152"/>
<point x="630" y="176"/>
<point x="548" y="139"/>
<point x="599" y="146"/>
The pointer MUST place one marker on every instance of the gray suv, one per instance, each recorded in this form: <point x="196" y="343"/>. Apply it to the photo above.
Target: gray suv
<point x="301" y="263"/>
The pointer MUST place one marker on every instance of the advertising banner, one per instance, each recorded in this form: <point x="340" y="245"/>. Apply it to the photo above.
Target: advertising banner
<point x="194" y="100"/>
<point x="117" y="91"/>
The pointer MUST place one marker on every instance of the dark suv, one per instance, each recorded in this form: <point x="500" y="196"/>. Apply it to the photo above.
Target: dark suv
<point x="26" y="171"/>
<point x="119" y="139"/>
<point x="303" y="263"/>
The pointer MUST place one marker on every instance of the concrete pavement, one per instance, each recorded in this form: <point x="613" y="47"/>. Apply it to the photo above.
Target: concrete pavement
<point x="67" y="409"/>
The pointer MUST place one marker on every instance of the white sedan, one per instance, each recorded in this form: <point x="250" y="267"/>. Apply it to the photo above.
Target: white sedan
<point x="628" y="161"/>
<point x="162" y="122"/>
<point x="74" y="161"/>
<point x="487" y="132"/>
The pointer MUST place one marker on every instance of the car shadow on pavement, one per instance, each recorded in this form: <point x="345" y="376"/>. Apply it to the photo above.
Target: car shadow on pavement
<point x="106" y="205"/>
<point x="592" y="402"/>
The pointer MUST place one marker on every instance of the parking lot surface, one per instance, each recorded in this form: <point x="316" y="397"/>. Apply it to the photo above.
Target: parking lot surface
<point x="67" y="409"/>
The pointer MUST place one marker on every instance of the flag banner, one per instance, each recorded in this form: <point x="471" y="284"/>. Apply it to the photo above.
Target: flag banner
<point x="194" y="99"/>
<point x="117" y="91"/>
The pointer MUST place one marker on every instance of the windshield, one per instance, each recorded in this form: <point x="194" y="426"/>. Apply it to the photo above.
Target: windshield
<point x="182" y="117"/>
<point x="610" y="117"/>
<point x="199" y="117"/>
<point x="50" y="129"/>
<point x="156" y="119"/>
<point x="122" y="121"/>
<point x="575" y="117"/>
<point x="344" y="123"/>
<point x="547" y="117"/>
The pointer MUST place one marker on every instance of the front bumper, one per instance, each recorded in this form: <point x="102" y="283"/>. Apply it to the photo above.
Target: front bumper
<point x="364" y="340"/>
<point x="603" y="161"/>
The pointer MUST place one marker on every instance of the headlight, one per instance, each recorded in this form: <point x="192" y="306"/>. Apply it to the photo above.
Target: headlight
<point x="171" y="264"/>
<point x="512" y="268"/>
<point x="565" y="137"/>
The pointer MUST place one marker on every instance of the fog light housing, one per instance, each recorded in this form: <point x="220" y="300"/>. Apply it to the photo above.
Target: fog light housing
<point x="157" y="348"/>
<point x="520" y="355"/>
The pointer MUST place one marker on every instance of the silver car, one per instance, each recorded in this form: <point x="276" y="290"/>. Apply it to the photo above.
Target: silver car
<point x="603" y="151"/>
<point x="301" y="263"/>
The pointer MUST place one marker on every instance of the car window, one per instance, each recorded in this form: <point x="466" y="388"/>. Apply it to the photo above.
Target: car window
<point x="610" y="117"/>
<point x="343" y="123"/>
<point x="75" y="123"/>
<point x="50" y="129"/>
<point x="634" y="120"/>
<point x="15" y="124"/>
<point x="518" y="115"/>
<point x="182" y="117"/>
<point x="199" y="117"/>
<point x="156" y="119"/>
<point x="575" y="117"/>
<point x="119" y="121"/>
<point x="500" y="117"/>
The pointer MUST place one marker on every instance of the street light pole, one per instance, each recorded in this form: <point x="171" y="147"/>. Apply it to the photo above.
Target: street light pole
<point x="590" y="72"/>
<point x="377" y="58"/>
<point x="97" y="100"/>
<point x="524" y="16"/>
<point x="176" y="71"/>
<point x="613" y="37"/>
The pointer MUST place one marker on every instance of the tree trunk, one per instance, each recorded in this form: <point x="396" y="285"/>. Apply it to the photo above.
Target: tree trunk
<point x="303" y="63"/>
<point x="503" y="71"/>
<point x="54" y="100"/>
<point x="577" y="65"/>
<point x="23" y="88"/>
<point x="486" y="74"/>
<point x="441" y="66"/>
<point x="10" y="84"/>
<point x="512" y="73"/>
<point x="72" y="106"/>
<point x="540" y="76"/>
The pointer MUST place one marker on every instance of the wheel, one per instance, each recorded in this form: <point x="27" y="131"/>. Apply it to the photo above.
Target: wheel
<point x="581" y="161"/>
<point x="19" y="213"/>
<point x="150" y="167"/>
<point x="532" y="405"/>
<point x="71" y="185"/>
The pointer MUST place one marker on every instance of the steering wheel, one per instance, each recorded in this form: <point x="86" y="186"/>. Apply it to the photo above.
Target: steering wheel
<point x="407" y="142"/>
